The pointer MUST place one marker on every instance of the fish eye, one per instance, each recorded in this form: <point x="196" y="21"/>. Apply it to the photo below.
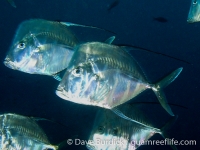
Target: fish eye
<point x="21" y="45"/>
<point x="100" y="129"/>
<point x="195" y="2"/>
<point x="96" y="77"/>
<point x="77" y="72"/>
<point x="115" y="131"/>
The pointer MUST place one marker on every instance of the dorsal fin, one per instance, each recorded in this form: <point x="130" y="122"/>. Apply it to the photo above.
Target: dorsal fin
<point x="110" y="40"/>
<point x="85" y="26"/>
<point x="132" y="47"/>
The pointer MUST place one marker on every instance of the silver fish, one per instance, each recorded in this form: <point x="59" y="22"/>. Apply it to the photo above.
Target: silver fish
<point x="111" y="132"/>
<point x="42" y="47"/>
<point x="194" y="13"/>
<point x="106" y="76"/>
<point x="22" y="133"/>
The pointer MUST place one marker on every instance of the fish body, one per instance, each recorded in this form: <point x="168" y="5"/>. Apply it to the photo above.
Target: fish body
<point x="111" y="132"/>
<point x="20" y="133"/>
<point x="41" y="47"/>
<point x="194" y="12"/>
<point x="106" y="76"/>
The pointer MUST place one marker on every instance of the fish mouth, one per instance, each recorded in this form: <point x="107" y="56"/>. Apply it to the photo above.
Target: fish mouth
<point x="8" y="63"/>
<point x="60" y="92"/>
<point x="75" y="98"/>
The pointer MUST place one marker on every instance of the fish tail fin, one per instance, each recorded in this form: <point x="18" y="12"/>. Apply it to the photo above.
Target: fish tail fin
<point x="158" y="89"/>
<point x="165" y="135"/>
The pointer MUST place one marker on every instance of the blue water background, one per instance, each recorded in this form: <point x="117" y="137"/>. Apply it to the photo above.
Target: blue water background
<point x="34" y="95"/>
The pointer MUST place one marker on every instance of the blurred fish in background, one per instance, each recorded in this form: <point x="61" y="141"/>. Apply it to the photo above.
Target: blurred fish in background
<point x="194" y="13"/>
<point x="111" y="132"/>
<point x="12" y="3"/>
<point x="22" y="133"/>
<point x="106" y="75"/>
<point x="113" y="5"/>
<point x="160" y="19"/>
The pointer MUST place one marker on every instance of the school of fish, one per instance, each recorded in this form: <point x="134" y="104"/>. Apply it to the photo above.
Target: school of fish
<point x="105" y="75"/>
<point x="97" y="73"/>
<point x="42" y="47"/>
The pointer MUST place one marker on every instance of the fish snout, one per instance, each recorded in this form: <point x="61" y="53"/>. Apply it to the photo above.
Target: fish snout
<point x="60" y="92"/>
<point x="60" y="88"/>
<point x="8" y="63"/>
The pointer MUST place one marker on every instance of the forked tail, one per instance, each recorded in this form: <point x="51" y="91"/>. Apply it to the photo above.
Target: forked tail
<point x="158" y="89"/>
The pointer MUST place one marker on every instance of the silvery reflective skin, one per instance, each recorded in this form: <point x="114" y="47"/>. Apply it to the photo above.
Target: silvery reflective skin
<point x="22" y="133"/>
<point x="194" y="13"/>
<point x="106" y="75"/>
<point x="41" y="47"/>
<point x="111" y="132"/>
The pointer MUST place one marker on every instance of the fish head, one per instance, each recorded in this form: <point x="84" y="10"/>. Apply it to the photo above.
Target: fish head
<point x="23" y="54"/>
<point x="79" y="85"/>
<point x="106" y="133"/>
<point x="194" y="13"/>
<point x="84" y="81"/>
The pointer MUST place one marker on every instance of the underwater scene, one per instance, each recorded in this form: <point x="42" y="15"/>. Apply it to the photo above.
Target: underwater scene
<point x="99" y="75"/>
